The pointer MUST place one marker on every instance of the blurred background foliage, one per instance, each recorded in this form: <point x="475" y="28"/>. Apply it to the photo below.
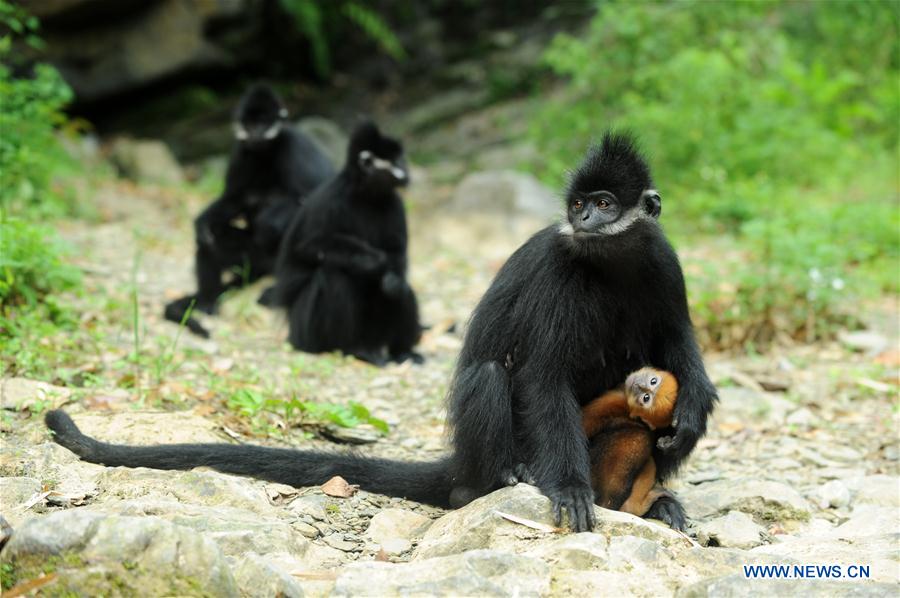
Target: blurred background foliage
<point x="772" y="126"/>
<point x="775" y="123"/>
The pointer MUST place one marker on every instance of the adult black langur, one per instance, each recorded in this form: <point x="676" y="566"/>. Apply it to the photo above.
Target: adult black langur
<point x="272" y="167"/>
<point x="565" y="320"/>
<point x="341" y="271"/>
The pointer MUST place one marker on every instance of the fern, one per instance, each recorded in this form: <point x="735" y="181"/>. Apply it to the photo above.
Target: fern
<point x="310" y="17"/>
<point x="376" y="28"/>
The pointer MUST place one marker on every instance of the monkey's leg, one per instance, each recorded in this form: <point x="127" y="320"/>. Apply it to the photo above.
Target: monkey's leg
<point x="482" y="421"/>
<point x="406" y="330"/>
<point x="643" y="493"/>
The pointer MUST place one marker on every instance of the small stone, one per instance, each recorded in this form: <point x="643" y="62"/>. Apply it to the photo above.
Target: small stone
<point x="145" y="160"/>
<point x="630" y="551"/>
<point x="864" y="341"/>
<point x="396" y="546"/>
<point x="832" y="494"/>
<point x="734" y="530"/>
<point x="313" y="505"/>
<point x="392" y="524"/>
<point x="339" y="543"/>
<point x="801" y="417"/>
<point x="306" y="529"/>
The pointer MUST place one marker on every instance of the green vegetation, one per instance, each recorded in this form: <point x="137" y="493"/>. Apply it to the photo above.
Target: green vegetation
<point x="318" y="21"/>
<point x="33" y="273"/>
<point x="771" y="124"/>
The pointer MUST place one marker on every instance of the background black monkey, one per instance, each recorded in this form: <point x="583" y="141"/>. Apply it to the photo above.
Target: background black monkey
<point x="566" y="319"/>
<point x="272" y="167"/>
<point x="342" y="268"/>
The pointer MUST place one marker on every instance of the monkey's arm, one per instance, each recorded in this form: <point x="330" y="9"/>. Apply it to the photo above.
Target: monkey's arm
<point x="676" y="350"/>
<point x="551" y="422"/>
<point x="342" y="251"/>
<point x="610" y="404"/>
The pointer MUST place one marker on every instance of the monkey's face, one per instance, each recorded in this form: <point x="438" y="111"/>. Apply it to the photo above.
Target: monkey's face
<point x="642" y="386"/>
<point x="259" y="118"/>
<point x="378" y="159"/>
<point x="610" y="191"/>
<point x="386" y="171"/>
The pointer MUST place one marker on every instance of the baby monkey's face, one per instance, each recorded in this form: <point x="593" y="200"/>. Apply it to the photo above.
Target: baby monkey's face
<point x="641" y="388"/>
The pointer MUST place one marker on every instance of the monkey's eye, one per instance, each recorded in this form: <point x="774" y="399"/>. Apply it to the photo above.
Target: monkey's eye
<point x="646" y="398"/>
<point x="602" y="204"/>
<point x="654" y="380"/>
<point x="578" y="204"/>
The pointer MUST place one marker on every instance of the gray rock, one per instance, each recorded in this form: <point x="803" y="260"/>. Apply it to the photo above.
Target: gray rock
<point x="766" y="500"/>
<point x="734" y="530"/>
<point x="135" y="44"/>
<point x="98" y="554"/>
<point x="236" y="531"/>
<point x="743" y="405"/>
<point x="802" y="417"/>
<point x="477" y="525"/>
<point x="737" y="586"/>
<point x="506" y="191"/>
<point x="258" y="578"/>
<point x="327" y="136"/>
<point x="864" y="341"/>
<point x="312" y="505"/>
<point x="628" y="552"/>
<point x="641" y="582"/>
<point x="869" y="520"/>
<point x="15" y="491"/>
<point x="577" y="551"/>
<point x="17" y="394"/>
<point x="474" y="573"/>
<point x="832" y="494"/>
<point x="145" y="160"/>
<point x="396" y="546"/>
<point x="875" y="489"/>
<point x="391" y="524"/>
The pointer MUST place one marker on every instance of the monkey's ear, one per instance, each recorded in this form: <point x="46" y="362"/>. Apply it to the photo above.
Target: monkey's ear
<point x="652" y="202"/>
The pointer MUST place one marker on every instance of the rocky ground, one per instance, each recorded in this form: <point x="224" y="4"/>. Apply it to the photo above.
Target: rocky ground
<point x="800" y="465"/>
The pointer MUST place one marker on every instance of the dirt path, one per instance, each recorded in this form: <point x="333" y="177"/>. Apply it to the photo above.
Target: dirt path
<point x="806" y="472"/>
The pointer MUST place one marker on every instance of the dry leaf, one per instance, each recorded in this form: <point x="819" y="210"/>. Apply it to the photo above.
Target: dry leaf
<point x="231" y="433"/>
<point x="36" y="499"/>
<point x="28" y="586"/>
<point x="338" y="487"/>
<point x="103" y="402"/>
<point x="204" y="409"/>
<point x="315" y="575"/>
<point x="541" y="527"/>
<point x="381" y="556"/>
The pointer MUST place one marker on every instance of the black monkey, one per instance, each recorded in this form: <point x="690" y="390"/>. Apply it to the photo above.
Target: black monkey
<point x="272" y="167"/>
<point x="565" y="320"/>
<point x="341" y="271"/>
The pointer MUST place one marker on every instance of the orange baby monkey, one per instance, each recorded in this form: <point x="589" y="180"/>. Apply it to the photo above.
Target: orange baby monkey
<point x="619" y="426"/>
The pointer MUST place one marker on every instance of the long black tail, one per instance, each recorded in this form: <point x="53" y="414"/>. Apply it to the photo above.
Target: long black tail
<point x="427" y="482"/>
<point x="177" y="310"/>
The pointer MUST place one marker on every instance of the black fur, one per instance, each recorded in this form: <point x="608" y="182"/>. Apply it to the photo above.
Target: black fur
<point x="239" y="233"/>
<point x="341" y="271"/>
<point x="568" y="317"/>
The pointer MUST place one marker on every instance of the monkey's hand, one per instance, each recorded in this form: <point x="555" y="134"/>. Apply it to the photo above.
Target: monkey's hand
<point x="689" y="427"/>
<point x="392" y="285"/>
<point x="578" y="501"/>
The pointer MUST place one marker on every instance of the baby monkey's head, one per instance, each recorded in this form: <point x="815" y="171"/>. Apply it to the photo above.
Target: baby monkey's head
<point x="651" y="395"/>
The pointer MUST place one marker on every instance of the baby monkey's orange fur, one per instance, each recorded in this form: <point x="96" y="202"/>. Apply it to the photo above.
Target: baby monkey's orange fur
<point x="619" y="426"/>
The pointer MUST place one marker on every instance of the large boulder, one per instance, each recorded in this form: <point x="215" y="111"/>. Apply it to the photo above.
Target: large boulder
<point x="94" y="554"/>
<point x="507" y="192"/>
<point x="145" y="160"/>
